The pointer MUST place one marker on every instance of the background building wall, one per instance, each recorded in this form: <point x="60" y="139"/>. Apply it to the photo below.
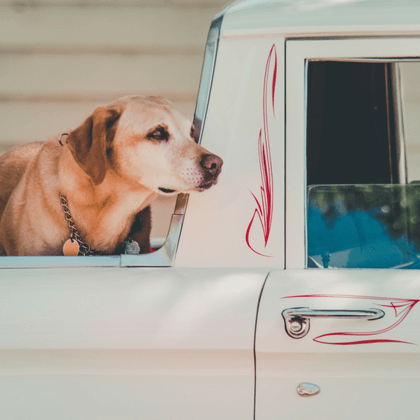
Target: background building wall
<point x="59" y="59"/>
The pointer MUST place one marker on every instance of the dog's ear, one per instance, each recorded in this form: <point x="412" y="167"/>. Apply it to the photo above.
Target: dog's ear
<point x="89" y="142"/>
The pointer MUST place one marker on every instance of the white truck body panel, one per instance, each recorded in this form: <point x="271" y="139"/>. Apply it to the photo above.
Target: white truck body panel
<point x="321" y="18"/>
<point x="234" y="119"/>
<point x="371" y="370"/>
<point x="128" y="343"/>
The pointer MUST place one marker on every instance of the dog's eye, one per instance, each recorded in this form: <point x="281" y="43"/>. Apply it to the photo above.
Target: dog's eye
<point x="159" y="134"/>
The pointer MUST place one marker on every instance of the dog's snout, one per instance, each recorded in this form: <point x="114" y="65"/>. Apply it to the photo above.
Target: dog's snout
<point x="212" y="164"/>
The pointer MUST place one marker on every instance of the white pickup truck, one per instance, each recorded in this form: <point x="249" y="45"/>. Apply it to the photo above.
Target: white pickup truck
<point x="285" y="292"/>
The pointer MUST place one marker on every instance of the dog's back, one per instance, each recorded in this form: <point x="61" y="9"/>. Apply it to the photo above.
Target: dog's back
<point x="13" y="165"/>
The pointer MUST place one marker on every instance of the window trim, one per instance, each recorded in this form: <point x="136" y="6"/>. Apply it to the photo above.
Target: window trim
<point x="164" y="256"/>
<point x="298" y="52"/>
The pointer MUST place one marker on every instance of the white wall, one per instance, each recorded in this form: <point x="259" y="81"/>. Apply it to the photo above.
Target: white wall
<point x="61" y="58"/>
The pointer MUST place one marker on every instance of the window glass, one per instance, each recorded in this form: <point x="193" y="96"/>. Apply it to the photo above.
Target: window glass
<point x="364" y="226"/>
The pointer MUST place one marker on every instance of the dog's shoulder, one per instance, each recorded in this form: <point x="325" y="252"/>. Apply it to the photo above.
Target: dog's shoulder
<point x="15" y="162"/>
<point x="17" y="159"/>
<point x="13" y="165"/>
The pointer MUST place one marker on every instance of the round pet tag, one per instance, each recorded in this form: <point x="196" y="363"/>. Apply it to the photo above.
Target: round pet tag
<point x="71" y="248"/>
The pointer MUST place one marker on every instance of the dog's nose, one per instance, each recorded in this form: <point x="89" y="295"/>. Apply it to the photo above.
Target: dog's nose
<point x="212" y="164"/>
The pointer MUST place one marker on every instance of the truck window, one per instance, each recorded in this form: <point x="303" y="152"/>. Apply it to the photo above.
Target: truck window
<point x="363" y="201"/>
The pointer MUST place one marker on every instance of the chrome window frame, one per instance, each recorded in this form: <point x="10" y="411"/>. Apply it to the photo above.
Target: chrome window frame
<point x="165" y="255"/>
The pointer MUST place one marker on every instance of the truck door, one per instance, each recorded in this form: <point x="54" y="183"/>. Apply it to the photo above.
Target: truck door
<point x="338" y="331"/>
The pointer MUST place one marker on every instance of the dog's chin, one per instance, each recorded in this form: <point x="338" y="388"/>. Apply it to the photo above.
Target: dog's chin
<point x="200" y="188"/>
<point x="205" y="186"/>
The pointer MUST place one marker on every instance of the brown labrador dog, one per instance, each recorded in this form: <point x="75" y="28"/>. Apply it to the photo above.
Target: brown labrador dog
<point x="109" y="170"/>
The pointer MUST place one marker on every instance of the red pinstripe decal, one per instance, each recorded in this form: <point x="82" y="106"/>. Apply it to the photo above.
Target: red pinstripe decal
<point x="264" y="208"/>
<point x="401" y="307"/>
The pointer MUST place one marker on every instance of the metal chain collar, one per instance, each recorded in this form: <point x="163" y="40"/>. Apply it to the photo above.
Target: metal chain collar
<point x="130" y="246"/>
<point x="84" y="248"/>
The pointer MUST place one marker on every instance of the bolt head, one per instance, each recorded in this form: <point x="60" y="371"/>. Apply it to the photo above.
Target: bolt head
<point x="296" y="326"/>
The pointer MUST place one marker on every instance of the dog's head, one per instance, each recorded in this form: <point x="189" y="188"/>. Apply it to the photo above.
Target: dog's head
<point x="145" y="141"/>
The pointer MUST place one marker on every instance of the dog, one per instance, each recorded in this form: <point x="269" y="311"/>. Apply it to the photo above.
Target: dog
<point x="108" y="171"/>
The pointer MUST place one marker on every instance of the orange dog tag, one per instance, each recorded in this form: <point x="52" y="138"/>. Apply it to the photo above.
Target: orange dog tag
<point x="71" y="248"/>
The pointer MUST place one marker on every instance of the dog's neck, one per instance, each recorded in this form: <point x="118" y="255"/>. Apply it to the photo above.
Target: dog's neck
<point x="103" y="213"/>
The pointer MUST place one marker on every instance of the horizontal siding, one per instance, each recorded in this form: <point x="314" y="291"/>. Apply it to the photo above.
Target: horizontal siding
<point x="59" y="59"/>
<point x="92" y="74"/>
<point x="23" y="4"/>
<point x="24" y="122"/>
<point x="151" y="27"/>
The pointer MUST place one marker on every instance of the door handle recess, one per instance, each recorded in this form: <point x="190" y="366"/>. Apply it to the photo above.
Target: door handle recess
<point x="297" y="320"/>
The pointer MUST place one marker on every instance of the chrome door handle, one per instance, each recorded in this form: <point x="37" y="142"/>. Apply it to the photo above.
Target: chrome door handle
<point x="297" y="320"/>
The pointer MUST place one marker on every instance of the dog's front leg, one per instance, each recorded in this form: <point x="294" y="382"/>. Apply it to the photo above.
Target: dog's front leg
<point x="140" y="230"/>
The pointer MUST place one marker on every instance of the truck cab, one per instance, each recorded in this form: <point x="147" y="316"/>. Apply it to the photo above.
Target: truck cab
<point x="289" y="289"/>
